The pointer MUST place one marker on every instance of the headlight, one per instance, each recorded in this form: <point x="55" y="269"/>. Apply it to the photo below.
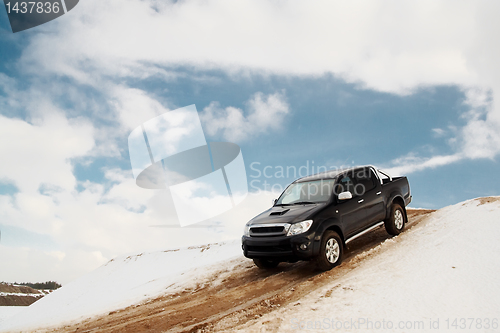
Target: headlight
<point x="298" y="228"/>
<point x="246" y="231"/>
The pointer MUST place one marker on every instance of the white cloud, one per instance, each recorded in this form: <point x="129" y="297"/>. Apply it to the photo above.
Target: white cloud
<point x="387" y="46"/>
<point x="438" y="132"/>
<point x="21" y="264"/>
<point x="394" y="46"/>
<point x="134" y="107"/>
<point x="478" y="138"/>
<point x="41" y="153"/>
<point x="263" y="113"/>
<point x="478" y="98"/>
<point x="411" y="163"/>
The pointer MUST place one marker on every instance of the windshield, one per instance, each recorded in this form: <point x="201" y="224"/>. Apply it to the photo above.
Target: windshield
<point x="307" y="192"/>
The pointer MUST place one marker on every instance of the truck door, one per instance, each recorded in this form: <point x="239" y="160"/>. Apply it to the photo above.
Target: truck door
<point x="369" y="192"/>
<point x="352" y="213"/>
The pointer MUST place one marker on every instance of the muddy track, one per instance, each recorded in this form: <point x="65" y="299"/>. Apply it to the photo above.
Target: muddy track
<point x="232" y="297"/>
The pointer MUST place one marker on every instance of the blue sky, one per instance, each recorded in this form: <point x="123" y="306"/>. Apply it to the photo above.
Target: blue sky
<point x="413" y="93"/>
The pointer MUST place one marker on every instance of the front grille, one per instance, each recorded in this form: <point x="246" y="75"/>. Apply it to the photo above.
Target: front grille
<point x="268" y="230"/>
<point x="265" y="230"/>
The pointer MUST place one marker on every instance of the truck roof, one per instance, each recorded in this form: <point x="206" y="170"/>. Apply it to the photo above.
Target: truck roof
<point x="330" y="174"/>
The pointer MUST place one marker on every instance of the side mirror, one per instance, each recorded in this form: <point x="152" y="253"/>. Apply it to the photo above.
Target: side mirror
<point x="274" y="201"/>
<point x="345" y="195"/>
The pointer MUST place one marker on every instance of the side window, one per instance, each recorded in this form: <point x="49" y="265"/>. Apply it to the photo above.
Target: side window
<point x="358" y="182"/>
<point x="375" y="180"/>
<point x="364" y="182"/>
<point x="345" y="184"/>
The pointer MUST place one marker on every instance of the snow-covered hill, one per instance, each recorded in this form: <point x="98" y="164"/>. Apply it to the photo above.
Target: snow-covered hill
<point x="442" y="270"/>
<point x="121" y="282"/>
<point x="441" y="275"/>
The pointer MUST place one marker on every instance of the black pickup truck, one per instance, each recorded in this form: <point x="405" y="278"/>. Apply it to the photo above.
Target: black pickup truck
<point x="317" y="216"/>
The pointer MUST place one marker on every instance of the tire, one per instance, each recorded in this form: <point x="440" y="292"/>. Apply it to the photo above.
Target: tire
<point x="266" y="263"/>
<point x="331" y="251"/>
<point x="396" y="222"/>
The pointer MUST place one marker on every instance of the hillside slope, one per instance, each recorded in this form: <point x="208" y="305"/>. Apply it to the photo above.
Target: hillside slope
<point x="443" y="267"/>
<point x="442" y="275"/>
<point x="121" y="282"/>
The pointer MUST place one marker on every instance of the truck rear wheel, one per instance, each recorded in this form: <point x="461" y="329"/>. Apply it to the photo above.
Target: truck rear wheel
<point x="396" y="221"/>
<point x="266" y="263"/>
<point x="331" y="251"/>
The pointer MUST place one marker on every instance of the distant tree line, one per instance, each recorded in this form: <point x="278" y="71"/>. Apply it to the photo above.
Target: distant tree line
<point x="52" y="285"/>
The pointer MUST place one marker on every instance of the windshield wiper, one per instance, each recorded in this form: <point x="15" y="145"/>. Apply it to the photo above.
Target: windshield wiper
<point x="282" y="204"/>
<point x="304" y="203"/>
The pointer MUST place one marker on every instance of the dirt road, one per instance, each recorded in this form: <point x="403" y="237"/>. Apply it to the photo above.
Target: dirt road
<point x="231" y="297"/>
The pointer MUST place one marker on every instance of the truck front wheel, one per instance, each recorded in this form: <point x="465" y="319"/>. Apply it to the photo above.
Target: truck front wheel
<point x="330" y="253"/>
<point x="396" y="221"/>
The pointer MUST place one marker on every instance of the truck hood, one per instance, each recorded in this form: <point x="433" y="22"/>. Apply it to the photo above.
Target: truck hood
<point x="287" y="214"/>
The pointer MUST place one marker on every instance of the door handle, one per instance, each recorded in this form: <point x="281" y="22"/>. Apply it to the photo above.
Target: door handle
<point x="379" y="193"/>
<point x="360" y="201"/>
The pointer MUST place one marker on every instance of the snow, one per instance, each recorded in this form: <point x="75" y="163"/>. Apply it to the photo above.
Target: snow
<point x="19" y="294"/>
<point x="7" y="312"/>
<point x="442" y="270"/>
<point x="122" y="282"/>
<point x="442" y="274"/>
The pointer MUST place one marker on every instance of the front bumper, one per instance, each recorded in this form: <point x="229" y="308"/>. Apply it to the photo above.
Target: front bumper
<point x="301" y="247"/>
